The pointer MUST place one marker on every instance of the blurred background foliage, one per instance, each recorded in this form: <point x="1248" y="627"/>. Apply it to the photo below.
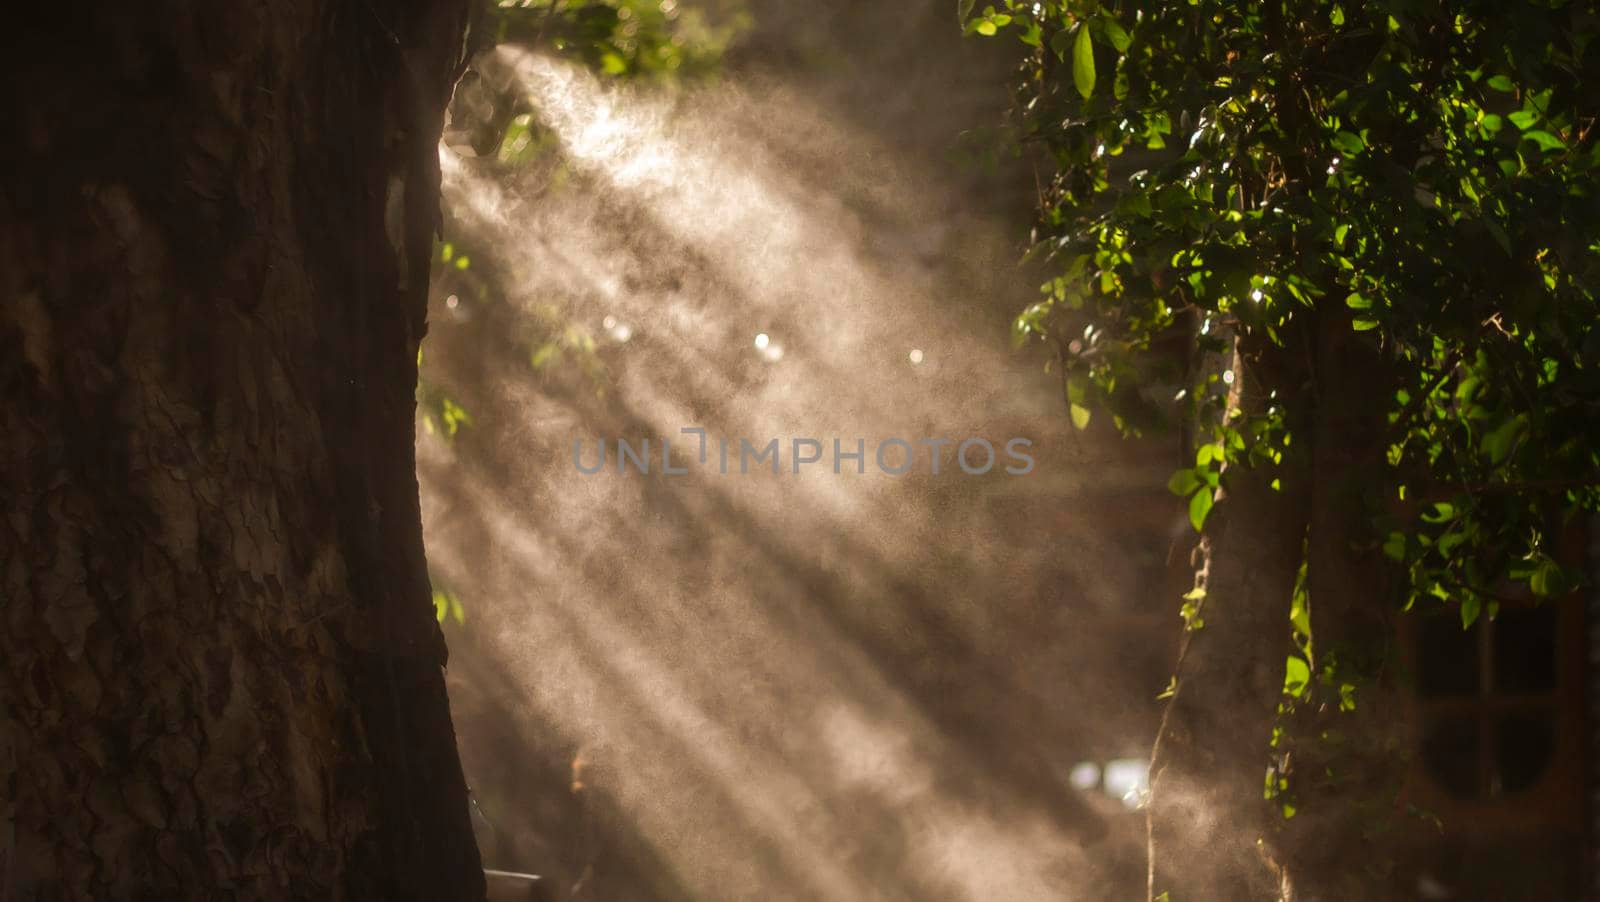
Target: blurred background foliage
<point x="624" y="38"/>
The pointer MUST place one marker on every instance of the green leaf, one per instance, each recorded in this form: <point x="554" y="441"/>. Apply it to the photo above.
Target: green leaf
<point x="1115" y="34"/>
<point x="1357" y="302"/>
<point x="1349" y="143"/>
<point x="1449" y="541"/>
<point x="986" y="28"/>
<point x="1471" y="607"/>
<point x="1083" y="63"/>
<point x="1199" y="507"/>
<point x="1080" y="416"/>
<point x="1192" y="619"/>
<point x="1497" y="444"/>
<point x="1077" y="388"/>
<point x="1394" y="547"/>
<point x="1184" y="482"/>
<point x="1060" y="42"/>
<point x="1523" y="119"/>
<point x="1502" y="83"/>
<point x="1548" y="579"/>
<point x="1296" y="675"/>
<point x="1544" y="139"/>
<point x="1300" y="616"/>
<point x="545" y="355"/>
<point x="1440" y="512"/>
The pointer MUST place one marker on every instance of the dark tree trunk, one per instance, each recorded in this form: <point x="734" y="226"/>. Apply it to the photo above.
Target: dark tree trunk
<point x="221" y="674"/>
<point x="1207" y="812"/>
<point x="1346" y="785"/>
<point x="1213" y="836"/>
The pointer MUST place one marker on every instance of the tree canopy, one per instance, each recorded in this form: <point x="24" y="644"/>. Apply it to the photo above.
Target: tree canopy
<point x="1428" y="166"/>
<point x="1336" y="240"/>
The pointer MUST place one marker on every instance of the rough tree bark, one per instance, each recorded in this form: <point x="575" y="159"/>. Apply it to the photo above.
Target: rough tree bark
<point x="220" y="671"/>
<point x="1208" y="768"/>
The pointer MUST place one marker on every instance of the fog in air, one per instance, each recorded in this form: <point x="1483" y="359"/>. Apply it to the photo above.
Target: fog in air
<point x="830" y="684"/>
<point x="843" y="450"/>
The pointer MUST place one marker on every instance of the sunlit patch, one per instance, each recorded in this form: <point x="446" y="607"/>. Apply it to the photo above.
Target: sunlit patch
<point x="618" y="330"/>
<point x="767" y="349"/>
<point x="1128" y="779"/>
<point x="1084" y="775"/>
<point x="739" y="656"/>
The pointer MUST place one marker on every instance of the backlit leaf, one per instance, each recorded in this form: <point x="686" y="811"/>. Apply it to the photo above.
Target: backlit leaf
<point x="1083" y="63"/>
<point x="1199" y="507"/>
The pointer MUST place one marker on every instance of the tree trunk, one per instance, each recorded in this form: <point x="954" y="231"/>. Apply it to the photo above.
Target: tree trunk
<point x="1345" y="775"/>
<point x="1206" y="812"/>
<point x="220" y="668"/>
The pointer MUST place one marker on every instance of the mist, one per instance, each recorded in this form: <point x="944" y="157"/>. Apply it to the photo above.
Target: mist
<point x="836" y="683"/>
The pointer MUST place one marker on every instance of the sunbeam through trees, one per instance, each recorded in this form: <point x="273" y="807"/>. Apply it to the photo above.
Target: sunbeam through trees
<point x="633" y="450"/>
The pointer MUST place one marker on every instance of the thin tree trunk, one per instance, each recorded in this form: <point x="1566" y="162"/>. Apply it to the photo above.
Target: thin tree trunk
<point x="217" y="654"/>
<point x="1206" y="811"/>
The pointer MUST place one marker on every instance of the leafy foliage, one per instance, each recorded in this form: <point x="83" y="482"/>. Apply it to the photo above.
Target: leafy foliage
<point x="1226" y="171"/>
<point x="441" y="414"/>
<point x="624" y="38"/>
<point x="447" y="603"/>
